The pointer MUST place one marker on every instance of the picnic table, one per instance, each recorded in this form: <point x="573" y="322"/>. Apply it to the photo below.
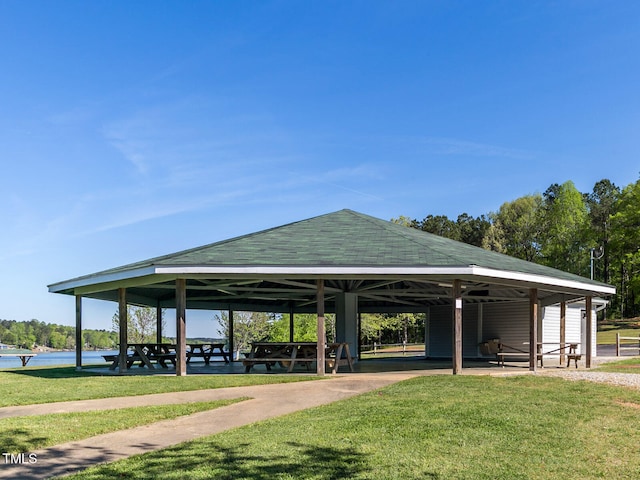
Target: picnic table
<point x="23" y="356"/>
<point x="206" y="351"/>
<point x="567" y="349"/>
<point x="287" y="354"/>
<point x="146" y="354"/>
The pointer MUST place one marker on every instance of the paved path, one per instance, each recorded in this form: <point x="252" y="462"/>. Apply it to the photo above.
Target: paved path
<point x="267" y="402"/>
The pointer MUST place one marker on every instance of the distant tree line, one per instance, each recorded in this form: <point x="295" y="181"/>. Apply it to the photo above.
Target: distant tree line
<point x="562" y="228"/>
<point x="34" y="333"/>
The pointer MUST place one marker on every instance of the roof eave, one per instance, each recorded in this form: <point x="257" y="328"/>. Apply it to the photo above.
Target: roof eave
<point x="149" y="275"/>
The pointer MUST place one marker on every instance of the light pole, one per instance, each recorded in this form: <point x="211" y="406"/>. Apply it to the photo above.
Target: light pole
<point x="595" y="256"/>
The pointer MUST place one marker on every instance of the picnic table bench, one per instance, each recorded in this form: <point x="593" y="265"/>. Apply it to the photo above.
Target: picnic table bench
<point x="287" y="354"/>
<point x="206" y="351"/>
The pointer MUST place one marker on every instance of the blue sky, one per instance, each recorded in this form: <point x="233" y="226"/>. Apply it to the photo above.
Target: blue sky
<point x="134" y="129"/>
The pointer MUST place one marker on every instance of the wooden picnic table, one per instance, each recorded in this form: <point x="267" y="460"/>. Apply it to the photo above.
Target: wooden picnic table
<point x="206" y="351"/>
<point x="567" y="349"/>
<point x="146" y="353"/>
<point x="24" y="357"/>
<point x="287" y="354"/>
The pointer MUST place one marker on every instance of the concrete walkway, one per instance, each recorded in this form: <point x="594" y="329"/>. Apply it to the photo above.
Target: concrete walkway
<point x="266" y="402"/>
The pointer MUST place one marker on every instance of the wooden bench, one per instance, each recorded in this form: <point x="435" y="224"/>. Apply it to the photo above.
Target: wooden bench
<point x="501" y="356"/>
<point x="573" y="356"/>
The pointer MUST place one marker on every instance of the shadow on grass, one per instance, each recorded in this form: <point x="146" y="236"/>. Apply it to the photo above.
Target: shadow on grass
<point x="236" y="462"/>
<point x="52" y="372"/>
<point x="17" y="440"/>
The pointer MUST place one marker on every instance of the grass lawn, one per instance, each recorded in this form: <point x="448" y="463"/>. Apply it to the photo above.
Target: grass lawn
<point x="25" y="434"/>
<point x="629" y="365"/>
<point x="30" y="385"/>
<point x="606" y="334"/>
<point x="439" y="427"/>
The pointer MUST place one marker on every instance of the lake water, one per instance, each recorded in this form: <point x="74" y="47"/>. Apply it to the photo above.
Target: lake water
<point x="56" y="358"/>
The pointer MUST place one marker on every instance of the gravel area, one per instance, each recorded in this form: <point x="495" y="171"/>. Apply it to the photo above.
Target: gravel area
<point x="624" y="379"/>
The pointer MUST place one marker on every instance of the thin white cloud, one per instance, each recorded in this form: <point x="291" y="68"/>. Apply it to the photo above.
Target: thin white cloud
<point x="454" y="146"/>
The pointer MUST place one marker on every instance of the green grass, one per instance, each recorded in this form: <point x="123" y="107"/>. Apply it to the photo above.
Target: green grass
<point x="30" y="385"/>
<point x="608" y="337"/>
<point x="439" y="427"/>
<point x="628" y="365"/>
<point x="25" y="434"/>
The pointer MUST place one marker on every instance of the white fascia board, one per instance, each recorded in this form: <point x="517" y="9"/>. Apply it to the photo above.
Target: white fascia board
<point x="97" y="279"/>
<point x="316" y="271"/>
<point x="456" y="272"/>
<point x="543" y="280"/>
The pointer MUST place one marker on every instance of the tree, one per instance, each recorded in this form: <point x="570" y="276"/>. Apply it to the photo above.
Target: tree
<point x="397" y="328"/>
<point x="141" y="324"/>
<point x="440" y="225"/>
<point x="247" y="327"/>
<point x="625" y="243"/>
<point x="601" y="203"/>
<point x="406" y="222"/>
<point x="516" y="228"/>
<point x="566" y="223"/>
<point x="472" y="230"/>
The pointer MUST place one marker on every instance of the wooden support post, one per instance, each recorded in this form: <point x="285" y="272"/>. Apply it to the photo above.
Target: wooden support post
<point x="79" y="341"/>
<point x="158" y="323"/>
<point x="533" y="329"/>
<point x="457" y="327"/>
<point x="181" y="330"/>
<point x="563" y="330"/>
<point x="321" y="333"/>
<point x="589" y="332"/>
<point x="231" y="344"/>
<point x="123" y="327"/>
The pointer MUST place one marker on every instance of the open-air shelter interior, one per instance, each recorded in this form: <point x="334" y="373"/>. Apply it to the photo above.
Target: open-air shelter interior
<point x="345" y="263"/>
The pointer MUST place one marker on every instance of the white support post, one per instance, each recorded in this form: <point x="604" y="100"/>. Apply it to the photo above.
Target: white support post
<point x="321" y="333"/>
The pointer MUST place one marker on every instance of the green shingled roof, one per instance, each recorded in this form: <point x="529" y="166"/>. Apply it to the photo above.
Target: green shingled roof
<point x="345" y="239"/>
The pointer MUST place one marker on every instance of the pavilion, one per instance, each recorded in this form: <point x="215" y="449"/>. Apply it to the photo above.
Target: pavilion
<point x="343" y="262"/>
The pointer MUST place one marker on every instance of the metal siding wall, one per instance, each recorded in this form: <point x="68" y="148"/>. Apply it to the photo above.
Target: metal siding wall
<point x="507" y="321"/>
<point x="551" y="325"/>
<point x="470" y="331"/>
<point x="440" y="334"/>
<point x="594" y="332"/>
<point x="574" y="326"/>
